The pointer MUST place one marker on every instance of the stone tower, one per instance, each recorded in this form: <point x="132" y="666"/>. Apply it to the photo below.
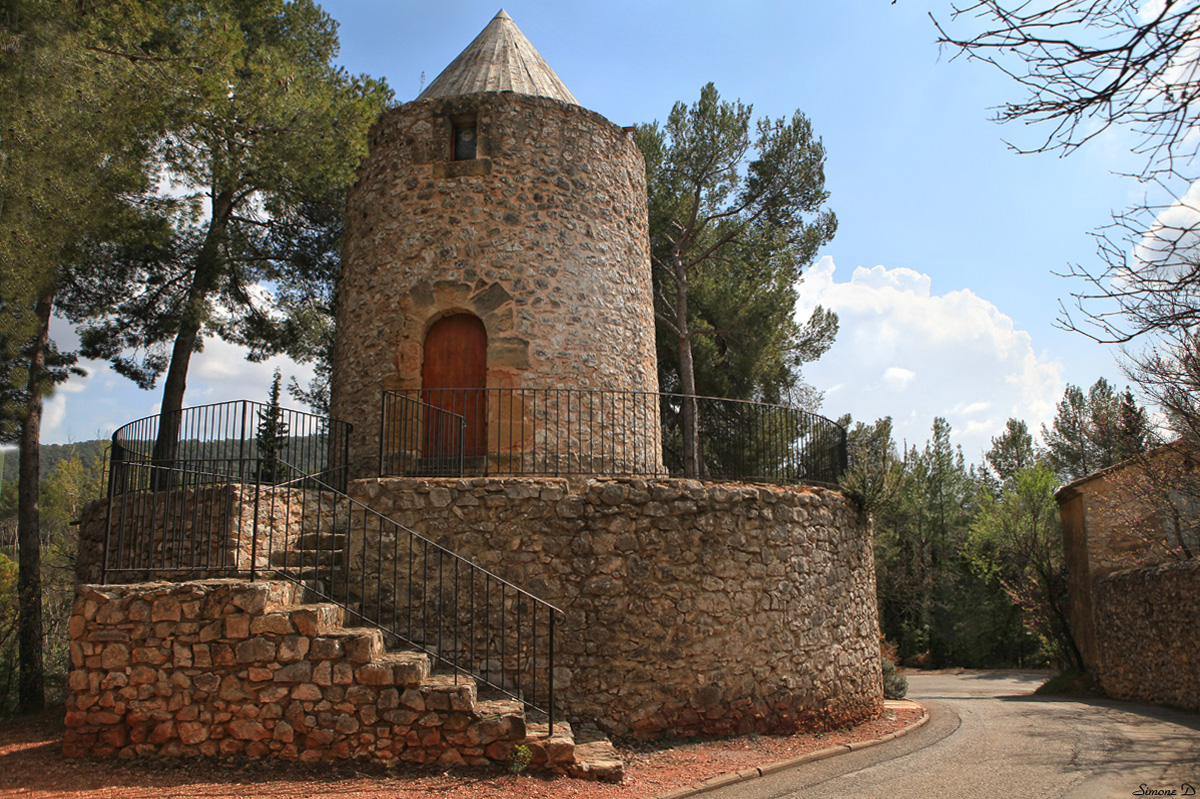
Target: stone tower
<point x="497" y="239"/>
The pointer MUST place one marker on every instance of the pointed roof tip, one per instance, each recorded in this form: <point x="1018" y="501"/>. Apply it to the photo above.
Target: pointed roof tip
<point x="500" y="59"/>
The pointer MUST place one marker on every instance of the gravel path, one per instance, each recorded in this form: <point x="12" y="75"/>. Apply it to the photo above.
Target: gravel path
<point x="32" y="768"/>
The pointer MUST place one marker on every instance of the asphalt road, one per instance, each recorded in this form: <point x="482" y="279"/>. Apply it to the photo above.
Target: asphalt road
<point x="988" y="737"/>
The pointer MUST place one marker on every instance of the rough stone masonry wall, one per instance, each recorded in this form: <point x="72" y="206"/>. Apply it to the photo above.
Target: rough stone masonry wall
<point x="691" y="608"/>
<point x="188" y="534"/>
<point x="1147" y="635"/>
<point x="229" y="667"/>
<point x="543" y="237"/>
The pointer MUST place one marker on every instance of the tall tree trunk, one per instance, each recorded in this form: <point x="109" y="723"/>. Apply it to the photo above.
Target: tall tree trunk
<point x="31" y="694"/>
<point x="204" y="280"/>
<point x="689" y="424"/>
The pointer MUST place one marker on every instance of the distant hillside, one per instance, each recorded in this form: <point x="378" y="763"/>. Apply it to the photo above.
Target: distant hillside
<point x="53" y="453"/>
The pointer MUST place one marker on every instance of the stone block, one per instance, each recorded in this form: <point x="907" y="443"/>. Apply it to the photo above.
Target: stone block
<point x="326" y="649"/>
<point x="295" y="672"/>
<point x="255" y="650"/>
<point x="237" y="626"/>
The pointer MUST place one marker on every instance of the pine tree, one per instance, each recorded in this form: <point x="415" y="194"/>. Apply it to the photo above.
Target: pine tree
<point x="734" y="219"/>
<point x="1093" y="431"/>
<point x="263" y="139"/>
<point x="72" y="142"/>
<point x="1011" y="451"/>
<point x="271" y="438"/>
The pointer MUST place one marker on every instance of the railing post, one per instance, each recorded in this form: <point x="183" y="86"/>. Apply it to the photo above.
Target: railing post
<point x="344" y="481"/>
<point x="462" y="445"/>
<point x="242" y="446"/>
<point x="254" y="535"/>
<point x="550" y="678"/>
<point x="115" y="458"/>
<point x="843" y="455"/>
<point x="385" y="430"/>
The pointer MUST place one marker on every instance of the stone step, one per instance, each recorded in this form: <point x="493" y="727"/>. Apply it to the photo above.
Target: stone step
<point x="360" y="644"/>
<point x="597" y="760"/>
<point x="310" y="558"/>
<point x="449" y="692"/>
<point x="499" y="728"/>
<point x="591" y="757"/>
<point x="409" y="669"/>
<point x="323" y="541"/>
<point x="318" y="618"/>
<point x="264" y="595"/>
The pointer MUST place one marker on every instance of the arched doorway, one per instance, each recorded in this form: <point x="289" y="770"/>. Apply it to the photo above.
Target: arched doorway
<point x="453" y="379"/>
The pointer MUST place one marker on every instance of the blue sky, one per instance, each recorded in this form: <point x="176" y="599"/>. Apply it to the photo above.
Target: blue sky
<point x="943" y="266"/>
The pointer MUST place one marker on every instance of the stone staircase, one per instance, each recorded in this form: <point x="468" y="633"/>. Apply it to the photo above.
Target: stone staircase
<point x="267" y="675"/>
<point x="319" y="556"/>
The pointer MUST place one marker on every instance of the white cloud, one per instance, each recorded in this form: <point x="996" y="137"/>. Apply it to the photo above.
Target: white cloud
<point x="54" y="412"/>
<point x="221" y="373"/>
<point x="954" y="355"/>
<point x="94" y="406"/>
<point x="897" y="378"/>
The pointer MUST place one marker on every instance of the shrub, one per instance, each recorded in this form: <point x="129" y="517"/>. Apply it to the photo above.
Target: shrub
<point x="894" y="685"/>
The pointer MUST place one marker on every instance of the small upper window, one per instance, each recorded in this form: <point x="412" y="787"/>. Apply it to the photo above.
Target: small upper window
<point x="464" y="142"/>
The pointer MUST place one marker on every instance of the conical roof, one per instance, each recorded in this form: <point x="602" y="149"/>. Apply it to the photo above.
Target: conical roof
<point x="500" y="59"/>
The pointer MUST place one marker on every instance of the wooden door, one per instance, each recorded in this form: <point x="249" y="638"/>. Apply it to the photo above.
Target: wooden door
<point x="453" y="376"/>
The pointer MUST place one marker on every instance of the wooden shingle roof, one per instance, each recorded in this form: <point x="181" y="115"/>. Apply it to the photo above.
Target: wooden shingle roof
<point x="500" y="59"/>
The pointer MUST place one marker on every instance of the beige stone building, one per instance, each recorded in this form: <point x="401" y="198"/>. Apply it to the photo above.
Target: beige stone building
<point x="508" y="521"/>
<point x="496" y="243"/>
<point x="1117" y="519"/>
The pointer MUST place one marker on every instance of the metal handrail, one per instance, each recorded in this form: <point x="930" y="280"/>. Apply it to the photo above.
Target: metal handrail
<point x="485" y="626"/>
<point x="555" y="431"/>
<point x="226" y="442"/>
<point x="182" y="518"/>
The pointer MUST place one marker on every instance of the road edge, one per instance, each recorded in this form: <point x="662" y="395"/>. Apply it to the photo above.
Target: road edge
<point x="745" y="775"/>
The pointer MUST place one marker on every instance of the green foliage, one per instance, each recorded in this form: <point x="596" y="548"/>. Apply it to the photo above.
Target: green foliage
<point x="875" y="472"/>
<point x="52" y="454"/>
<point x="1093" y="431"/>
<point x="8" y="636"/>
<point x="271" y="438"/>
<point x="72" y="483"/>
<point x="1016" y="542"/>
<point x="937" y="610"/>
<point x="519" y="760"/>
<point x="895" y="686"/>
<point x="261" y="136"/>
<point x="1011" y="451"/>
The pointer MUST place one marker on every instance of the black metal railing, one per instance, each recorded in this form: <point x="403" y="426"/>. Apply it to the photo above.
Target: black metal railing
<point x="228" y="442"/>
<point x="740" y="440"/>
<point x="227" y="505"/>
<point x="530" y="431"/>
<point x="437" y="436"/>
<point x="418" y="592"/>
<point x="521" y="432"/>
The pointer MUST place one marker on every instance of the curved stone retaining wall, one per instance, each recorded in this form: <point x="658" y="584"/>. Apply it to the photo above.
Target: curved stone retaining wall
<point x="691" y="608"/>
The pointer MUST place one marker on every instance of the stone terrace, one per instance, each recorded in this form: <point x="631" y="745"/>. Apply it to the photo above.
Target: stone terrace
<point x="227" y="667"/>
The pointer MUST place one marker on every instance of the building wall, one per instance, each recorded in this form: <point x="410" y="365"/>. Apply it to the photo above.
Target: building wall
<point x="691" y="608"/>
<point x="1101" y="538"/>
<point x="543" y="237"/>
<point x="229" y="667"/>
<point x="1133" y="608"/>
<point x="1147" y="638"/>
